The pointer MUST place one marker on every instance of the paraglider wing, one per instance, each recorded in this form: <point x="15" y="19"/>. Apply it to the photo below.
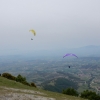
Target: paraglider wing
<point x="33" y="31"/>
<point x="70" y="54"/>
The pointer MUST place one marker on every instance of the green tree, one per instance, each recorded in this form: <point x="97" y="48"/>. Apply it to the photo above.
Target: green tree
<point x="21" y="79"/>
<point x="70" y="91"/>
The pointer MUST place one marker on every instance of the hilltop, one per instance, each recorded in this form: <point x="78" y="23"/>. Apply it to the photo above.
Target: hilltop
<point x="12" y="90"/>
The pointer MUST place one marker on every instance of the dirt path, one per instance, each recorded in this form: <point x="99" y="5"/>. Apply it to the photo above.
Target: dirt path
<point x="18" y="94"/>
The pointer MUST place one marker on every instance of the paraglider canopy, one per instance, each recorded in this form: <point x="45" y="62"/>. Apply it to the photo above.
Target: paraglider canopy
<point x="70" y="54"/>
<point x="33" y="31"/>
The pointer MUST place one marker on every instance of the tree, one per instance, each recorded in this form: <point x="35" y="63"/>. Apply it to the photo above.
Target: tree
<point x="70" y="91"/>
<point x="21" y="79"/>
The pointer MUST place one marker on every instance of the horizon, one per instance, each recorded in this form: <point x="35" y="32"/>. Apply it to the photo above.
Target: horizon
<point x="58" y="25"/>
<point x="86" y="51"/>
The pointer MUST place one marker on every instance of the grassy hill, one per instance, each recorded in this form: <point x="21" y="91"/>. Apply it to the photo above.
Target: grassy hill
<point x="57" y="85"/>
<point x="17" y="91"/>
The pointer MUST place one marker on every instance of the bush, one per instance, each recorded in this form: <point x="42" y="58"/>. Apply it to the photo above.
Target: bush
<point x="70" y="91"/>
<point x="33" y="84"/>
<point x="8" y="76"/>
<point x="19" y="78"/>
<point x="25" y="83"/>
<point x="90" y="95"/>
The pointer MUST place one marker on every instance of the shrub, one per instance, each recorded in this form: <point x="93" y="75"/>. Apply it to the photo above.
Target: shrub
<point x="8" y="76"/>
<point x="90" y="95"/>
<point x="25" y="83"/>
<point x="33" y="84"/>
<point x="70" y="91"/>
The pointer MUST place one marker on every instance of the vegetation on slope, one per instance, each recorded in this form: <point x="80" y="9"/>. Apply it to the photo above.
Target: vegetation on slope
<point x="4" y="82"/>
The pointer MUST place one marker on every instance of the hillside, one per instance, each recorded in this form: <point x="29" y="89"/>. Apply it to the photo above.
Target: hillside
<point x="11" y="90"/>
<point x="58" y="84"/>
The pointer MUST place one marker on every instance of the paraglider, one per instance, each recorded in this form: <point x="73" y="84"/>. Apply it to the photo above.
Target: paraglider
<point x="33" y="31"/>
<point x="70" y="54"/>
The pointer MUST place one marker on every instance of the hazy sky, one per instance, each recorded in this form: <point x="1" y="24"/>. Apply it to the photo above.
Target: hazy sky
<point x="58" y="24"/>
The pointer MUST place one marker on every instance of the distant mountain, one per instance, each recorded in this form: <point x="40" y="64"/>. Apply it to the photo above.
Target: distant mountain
<point x="86" y="51"/>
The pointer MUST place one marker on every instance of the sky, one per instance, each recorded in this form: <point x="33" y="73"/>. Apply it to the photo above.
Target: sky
<point x="59" y="24"/>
